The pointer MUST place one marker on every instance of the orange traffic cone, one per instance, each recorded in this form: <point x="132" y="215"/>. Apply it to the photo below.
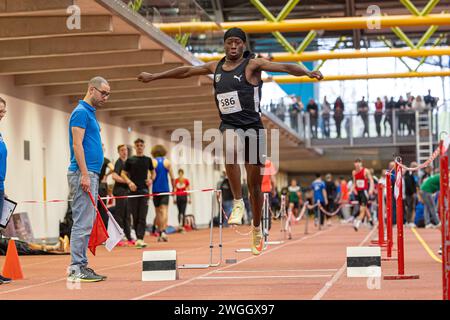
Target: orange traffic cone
<point x="12" y="268"/>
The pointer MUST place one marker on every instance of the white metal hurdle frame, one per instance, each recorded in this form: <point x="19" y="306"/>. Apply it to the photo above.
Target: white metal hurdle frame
<point x="211" y="240"/>
<point x="266" y="221"/>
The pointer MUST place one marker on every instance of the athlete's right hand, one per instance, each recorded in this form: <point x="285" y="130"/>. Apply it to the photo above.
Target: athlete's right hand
<point x="85" y="183"/>
<point x="145" y="77"/>
<point x="132" y="187"/>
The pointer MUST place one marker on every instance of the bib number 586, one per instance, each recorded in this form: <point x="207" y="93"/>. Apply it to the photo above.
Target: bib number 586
<point x="228" y="102"/>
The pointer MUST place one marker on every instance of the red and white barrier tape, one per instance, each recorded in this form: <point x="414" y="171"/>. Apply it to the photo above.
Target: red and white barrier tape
<point x="420" y="166"/>
<point x="330" y="214"/>
<point x="179" y="193"/>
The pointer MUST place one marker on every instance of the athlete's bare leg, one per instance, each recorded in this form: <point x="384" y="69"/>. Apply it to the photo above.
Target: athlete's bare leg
<point x="254" y="178"/>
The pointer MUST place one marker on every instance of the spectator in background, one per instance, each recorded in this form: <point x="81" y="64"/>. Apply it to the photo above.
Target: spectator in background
<point x="344" y="198"/>
<point x="430" y="101"/>
<point x="294" y="109"/>
<point x="389" y="107"/>
<point x="182" y="185"/>
<point x="378" y="115"/>
<point x="320" y="195"/>
<point x="3" y="156"/>
<point x="163" y="169"/>
<point x="411" y="190"/>
<point x="430" y="186"/>
<point x="338" y="115"/>
<point x="139" y="174"/>
<point x="326" y="111"/>
<point x="295" y="196"/>
<point x="313" y="111"/>
<point x="103" y="186"/>
<point x="400" y="108"/>
<point x="363" y="111"/>
<point x="330" y="187"/>
<point x="121" y="214"/>
<point x="410" y="116"/>
<point x="419" y="104"/>
<point x="281" y="110"/>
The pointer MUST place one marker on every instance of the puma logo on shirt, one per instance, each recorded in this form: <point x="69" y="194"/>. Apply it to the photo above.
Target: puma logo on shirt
<point x="238" y="77"/>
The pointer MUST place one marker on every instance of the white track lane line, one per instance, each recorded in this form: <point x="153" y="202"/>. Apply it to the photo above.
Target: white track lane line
<point x="264" y="271"/>
<point x="223" y="268"/>
<point x="338" y="274"/>
<point x="268" y="277"/>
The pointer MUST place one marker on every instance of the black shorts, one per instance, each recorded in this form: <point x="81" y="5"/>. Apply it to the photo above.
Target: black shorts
<point x="254" y="140"/>
<point x="295" y="204"/>
<point x="363" y="197"/>
<point x="160" y="200"/>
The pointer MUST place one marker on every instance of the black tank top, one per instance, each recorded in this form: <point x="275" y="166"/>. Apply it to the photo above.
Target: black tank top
<point x="236" y="98"/>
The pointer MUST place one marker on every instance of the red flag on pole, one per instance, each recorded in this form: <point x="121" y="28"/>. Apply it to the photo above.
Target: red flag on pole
<point x="98" y="234"/>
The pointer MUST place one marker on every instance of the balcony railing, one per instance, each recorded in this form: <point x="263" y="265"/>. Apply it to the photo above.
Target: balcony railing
<point x="396" y="127"/>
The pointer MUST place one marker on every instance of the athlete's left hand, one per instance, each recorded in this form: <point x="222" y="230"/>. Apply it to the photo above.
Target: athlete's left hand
<point x="145" y="77"/>
<point x="315" y="75"/>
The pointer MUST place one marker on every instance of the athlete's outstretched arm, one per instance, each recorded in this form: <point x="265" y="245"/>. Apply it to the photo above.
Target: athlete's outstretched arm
<point x="179" y="73"/>
<point x="293" y="69"/>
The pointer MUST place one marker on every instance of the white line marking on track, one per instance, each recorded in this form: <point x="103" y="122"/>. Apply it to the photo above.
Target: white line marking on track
<point x="338" y="274"/>
<point x="223" y="268"/>
<point x="264" y="271"/>
<point x="269" y="277"/>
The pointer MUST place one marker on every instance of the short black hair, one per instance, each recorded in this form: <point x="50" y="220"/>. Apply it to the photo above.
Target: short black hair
<point x="317" y="175"/>
<point x="138" y="140"/>
<point x="358" y="160"/>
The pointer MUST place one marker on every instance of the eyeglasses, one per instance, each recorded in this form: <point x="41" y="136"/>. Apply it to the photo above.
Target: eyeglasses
<point x="103" y="93"/>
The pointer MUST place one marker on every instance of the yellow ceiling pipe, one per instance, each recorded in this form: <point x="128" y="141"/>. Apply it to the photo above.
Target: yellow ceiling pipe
<point x="292" y="79"/>
<point x="295" y="25"/>
<point x="354" y="54"/>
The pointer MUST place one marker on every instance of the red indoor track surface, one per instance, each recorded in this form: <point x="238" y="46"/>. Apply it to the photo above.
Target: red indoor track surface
<point x="309" y="266"/>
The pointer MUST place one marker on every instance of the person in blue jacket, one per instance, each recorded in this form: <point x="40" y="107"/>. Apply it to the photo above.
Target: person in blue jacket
<point x="3" y="155"/>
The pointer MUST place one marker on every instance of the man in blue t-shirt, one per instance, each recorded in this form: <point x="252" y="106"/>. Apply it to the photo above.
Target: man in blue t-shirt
<point x="86" y="160"/>
<point x="320" y="195"/>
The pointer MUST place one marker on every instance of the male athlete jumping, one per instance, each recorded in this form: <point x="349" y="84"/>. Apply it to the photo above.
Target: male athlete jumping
<point x="238" y="84"/>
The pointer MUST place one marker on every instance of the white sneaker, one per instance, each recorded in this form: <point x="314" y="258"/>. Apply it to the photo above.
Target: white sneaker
<point x="429" y="226"/>
<point x="238" y="213"/>
<point x="356" y="224"/>
<point x="440" y="250"/>
<point x="437" y="226"/>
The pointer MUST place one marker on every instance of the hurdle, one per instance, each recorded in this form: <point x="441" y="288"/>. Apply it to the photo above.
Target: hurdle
<point x="211" y="240"/>
<point x="266" y="221"/>
<point x="381" y="241"/>
<point x="444" y="209"/>
<point x="400" y="238"/>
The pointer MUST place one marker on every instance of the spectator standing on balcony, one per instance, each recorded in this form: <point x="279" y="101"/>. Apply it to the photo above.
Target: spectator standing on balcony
<point x="313" y="111"/>
<point x="430" y="101"/>
<point x="281" y="109"/>
<point x="418" y="104"/>
<point x="400" y="107"/>
<point x="338" y="115"/>
<point x="326" y="110"/>
<point x="410" y="116"/>
<point x="363" y="111"/>
<point x="388" y="107"/>
<point x="378" y="115"/>
<point x="294" y="110"/>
